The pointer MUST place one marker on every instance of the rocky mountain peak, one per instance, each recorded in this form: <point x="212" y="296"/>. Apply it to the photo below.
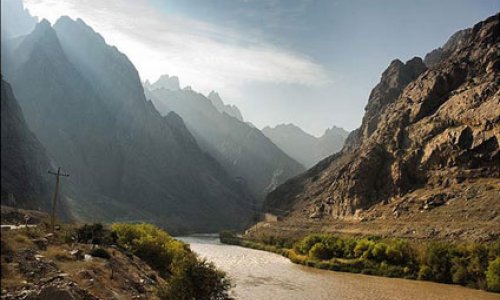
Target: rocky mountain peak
<point x="166" y="82"/>
<point x="394" y="79"/>
<point x="231" y="110"/>
<point x="424" y="130"/>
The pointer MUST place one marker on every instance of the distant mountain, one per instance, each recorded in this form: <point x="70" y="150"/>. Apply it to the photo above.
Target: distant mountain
<point x="85" y="102"/>
<point x="15" y="19"/>
<point x="25" y="182"/>
<point x="166" y="82"/>
<point x="243" y="150"/>
<point x="303" y="147"/>
<point x="425" y="162"/>
<point x="231" y="110"/>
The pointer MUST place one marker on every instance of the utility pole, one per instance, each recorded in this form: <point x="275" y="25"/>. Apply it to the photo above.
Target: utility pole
<point x="53" y="216"/>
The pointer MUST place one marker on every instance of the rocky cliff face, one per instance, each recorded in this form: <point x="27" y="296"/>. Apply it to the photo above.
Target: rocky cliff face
<point x="303" y="147"/>
<point x="25" y="182"/>
<point x="86" y="104"/>
<point x="242" y="150"/>
<point x="231" y="110"/>
<point x="431" y="129"/>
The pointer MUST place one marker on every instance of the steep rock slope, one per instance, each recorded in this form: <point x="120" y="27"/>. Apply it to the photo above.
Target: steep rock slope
<point x="85" y="102"/>
<point x="24" y="161"/>
<point x="243" y="150"/>
<point x="15" y="19"/>
<point x="429" y="137"/>
<point x="231" y="110"/>
<point x="303" y="147"/>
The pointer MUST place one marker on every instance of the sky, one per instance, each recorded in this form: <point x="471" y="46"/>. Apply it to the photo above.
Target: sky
<point x="308" y="62"/>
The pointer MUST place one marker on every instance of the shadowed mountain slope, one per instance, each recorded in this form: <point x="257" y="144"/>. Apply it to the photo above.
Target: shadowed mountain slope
<point x="85" y="102"/>
<point x="243" y="150"/>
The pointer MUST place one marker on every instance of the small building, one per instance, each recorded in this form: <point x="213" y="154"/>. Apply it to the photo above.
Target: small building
<point x="270" y="218"/>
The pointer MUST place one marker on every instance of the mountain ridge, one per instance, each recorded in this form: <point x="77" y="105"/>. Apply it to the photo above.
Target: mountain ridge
<point x="86" y="104"/>
<point x="304" y="147"/>
<point x="429" y="136"/>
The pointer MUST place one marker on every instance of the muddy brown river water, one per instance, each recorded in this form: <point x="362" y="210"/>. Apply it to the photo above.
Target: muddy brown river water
<point x="260" y="275"/>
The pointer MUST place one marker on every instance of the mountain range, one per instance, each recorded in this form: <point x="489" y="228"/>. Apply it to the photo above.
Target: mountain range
<point x="303" y="147"/>
<point x="425" y="161"/>
<point x="241" y="149"/>
<point x="84" y="101"/>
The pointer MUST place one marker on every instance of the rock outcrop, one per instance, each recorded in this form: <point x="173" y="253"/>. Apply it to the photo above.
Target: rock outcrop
<point x="423" y="129"/>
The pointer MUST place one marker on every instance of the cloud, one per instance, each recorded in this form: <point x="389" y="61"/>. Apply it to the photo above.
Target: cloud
<point x="201" y="54"/>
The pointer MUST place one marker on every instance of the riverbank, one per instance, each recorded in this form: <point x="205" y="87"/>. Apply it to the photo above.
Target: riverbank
<point x="472" y="265"/>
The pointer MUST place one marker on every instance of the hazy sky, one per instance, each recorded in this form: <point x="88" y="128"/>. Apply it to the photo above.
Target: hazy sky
<point x="312" y="63"/>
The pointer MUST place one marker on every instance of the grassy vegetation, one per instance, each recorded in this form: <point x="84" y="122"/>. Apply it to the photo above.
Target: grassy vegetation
<point x="187" y="276"/>
<point x="470" y="264"/>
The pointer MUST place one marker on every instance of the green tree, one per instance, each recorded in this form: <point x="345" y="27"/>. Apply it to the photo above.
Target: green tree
<point x="493" y="275"/>
<point x="320" y="251"/>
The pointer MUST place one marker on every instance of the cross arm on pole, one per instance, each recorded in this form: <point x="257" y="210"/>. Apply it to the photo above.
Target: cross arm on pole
<point x="58" y="174"/>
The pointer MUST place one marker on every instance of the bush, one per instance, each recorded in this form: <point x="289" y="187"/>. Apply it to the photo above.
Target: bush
<point x="94" y="234"/>
<point x="152" y="244"/>
<point x="493" y="275"/>
<point x="379" y="251"/>
<point x="320" y="251"/>
<point x="307" y="243"/>
<point x="100" y="252"/>
<point x="438" y="259"/>
<point x="196" y="279"/>
<point x="363" y="248"/>
<point x="425" y="273"/>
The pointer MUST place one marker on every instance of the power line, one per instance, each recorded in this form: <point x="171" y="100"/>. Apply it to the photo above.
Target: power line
<point x="56" y="190"/>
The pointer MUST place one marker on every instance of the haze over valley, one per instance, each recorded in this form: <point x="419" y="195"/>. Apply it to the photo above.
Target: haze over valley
<point x="341" y="136"/>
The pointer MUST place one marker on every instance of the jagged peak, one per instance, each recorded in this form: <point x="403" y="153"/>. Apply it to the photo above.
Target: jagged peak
<point x="214" y="95"/>
<point x="66" y="22"/>
<point x="167" y="82"/>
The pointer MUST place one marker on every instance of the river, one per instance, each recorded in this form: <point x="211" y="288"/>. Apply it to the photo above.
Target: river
<point x="260" y="275"/>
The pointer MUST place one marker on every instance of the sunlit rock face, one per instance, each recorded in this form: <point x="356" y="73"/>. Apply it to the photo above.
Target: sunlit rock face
<point x="85" y="102"/>
<point x="424" y="127"/>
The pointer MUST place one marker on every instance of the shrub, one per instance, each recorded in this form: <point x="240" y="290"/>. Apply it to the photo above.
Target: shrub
<point x="188" y="276"/>
<point x="493" y="275"/>
<point x="196" y="279"/>
<point x="306" y="243"/>
<point x="93" y="233"/>
<point x="363" y="248"/>
<point x="425" y="273"/>
<point x="349" y="246"/>
<point x="152" y="244"/>
<point x="438" y="259"/>
<point x="100" y="252"/>
<point x="320" y="251"/>
<point x="379" y="251"/>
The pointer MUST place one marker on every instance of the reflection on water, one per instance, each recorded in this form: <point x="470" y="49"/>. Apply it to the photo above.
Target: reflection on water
<point x="263" y="275"/>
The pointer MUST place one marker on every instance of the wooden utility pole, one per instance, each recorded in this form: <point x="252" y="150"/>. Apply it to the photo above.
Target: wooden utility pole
<point x="56" y="191"/>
